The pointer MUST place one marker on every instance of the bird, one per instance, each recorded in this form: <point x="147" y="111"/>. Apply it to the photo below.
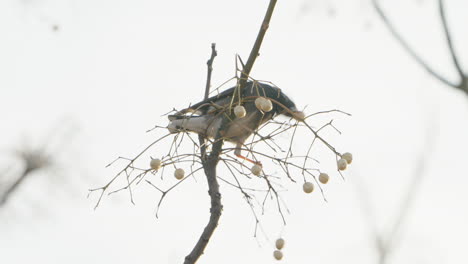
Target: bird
<point x="205" y="117"/>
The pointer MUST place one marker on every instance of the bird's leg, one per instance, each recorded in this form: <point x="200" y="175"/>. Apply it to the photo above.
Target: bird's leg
<point x="237" y="152"/>
<point x="247" y="159"/>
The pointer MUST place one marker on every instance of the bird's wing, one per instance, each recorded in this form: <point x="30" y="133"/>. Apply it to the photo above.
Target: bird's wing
<point x="204" y="105"/>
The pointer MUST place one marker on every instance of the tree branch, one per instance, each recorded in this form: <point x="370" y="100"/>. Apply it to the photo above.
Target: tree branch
<point x="209" y="165"/>
<point x="386" y="243"/>
<point x="209" y="64"/>
<point x="34" y="160"/>
<point x="210" y="69"/>
<point x="216" y="207"/>
<point x="408" y="49"/>
<point x="463" y="78"/>
<point x="256" y="47"/>
<point x="7" y="194"/>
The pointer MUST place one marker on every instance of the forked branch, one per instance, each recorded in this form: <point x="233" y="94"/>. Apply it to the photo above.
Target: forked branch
<point x="209" y="166"/>
<point x="463" y="83"/>
<point x="210" y="163"/>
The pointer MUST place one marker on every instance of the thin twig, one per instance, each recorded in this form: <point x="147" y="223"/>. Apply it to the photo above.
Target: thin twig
<point x="210" y="69"/>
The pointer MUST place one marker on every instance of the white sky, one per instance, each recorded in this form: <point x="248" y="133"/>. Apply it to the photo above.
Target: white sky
<point x="114" y="67"/>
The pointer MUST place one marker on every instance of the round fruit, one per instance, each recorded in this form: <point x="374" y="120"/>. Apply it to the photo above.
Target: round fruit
<point x="342" y="164"/>
<point x="348" y="157"/>
<point x="239" y="111"/>
<point x="267" y="105"/>
<point x="279" y="243"/>
<point x="260" y="102"/>
<point x="155" y="164"/>
<point x="323" y="178"/>
<point x="179" y="174"/>
<point x="308" y="187"/>
<point x="256" y="169"/>
<point x="278" y="254"/>
<point x="299" y="116"/>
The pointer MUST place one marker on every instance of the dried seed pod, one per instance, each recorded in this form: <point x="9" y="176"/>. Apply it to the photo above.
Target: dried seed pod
<point x="239" y="111"/>
<point x="278" y="254"/>
<point x="279" y="243"/>
<point x="299" y="116"/>
<point x="259" y="102"/>
<point x="323" y="178"/>
<point x="155" y="164"/>
<point x="308" y="187"/>
<point x="342" y="164"/>
<point x="179" y="174"/>
<point x="256" y="169"/>
<point x="267" y="105"/>
<point x="348" y="157"/>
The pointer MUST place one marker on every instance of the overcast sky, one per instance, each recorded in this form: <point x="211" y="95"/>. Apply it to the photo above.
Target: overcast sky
<point x="98" y="74"/>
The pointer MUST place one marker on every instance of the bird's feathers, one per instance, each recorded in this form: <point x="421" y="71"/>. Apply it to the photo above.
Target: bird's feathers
<point x="252" y="89"/>
<point x="205" y="116"/>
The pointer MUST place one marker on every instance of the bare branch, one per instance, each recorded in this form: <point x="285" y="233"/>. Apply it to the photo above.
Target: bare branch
<point x="411" y="193"/>
<point x="7" y="194"/>
<point x="209" y="165"/>
<point x="408" y="49"/>
<point x="387" y="242"/>
<point x="210" y="69"/>
<point x="258" y="43"/>
<point x="209" y="64"/>
<point x="448" y="38"/>
<point x="129" y="164"/>
<point x="164" y="193"/>
<point x="34" y="160"/>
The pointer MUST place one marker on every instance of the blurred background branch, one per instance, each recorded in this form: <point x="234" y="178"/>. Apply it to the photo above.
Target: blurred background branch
<point x="33" y="161"/>
<point x="462" y="84"/>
